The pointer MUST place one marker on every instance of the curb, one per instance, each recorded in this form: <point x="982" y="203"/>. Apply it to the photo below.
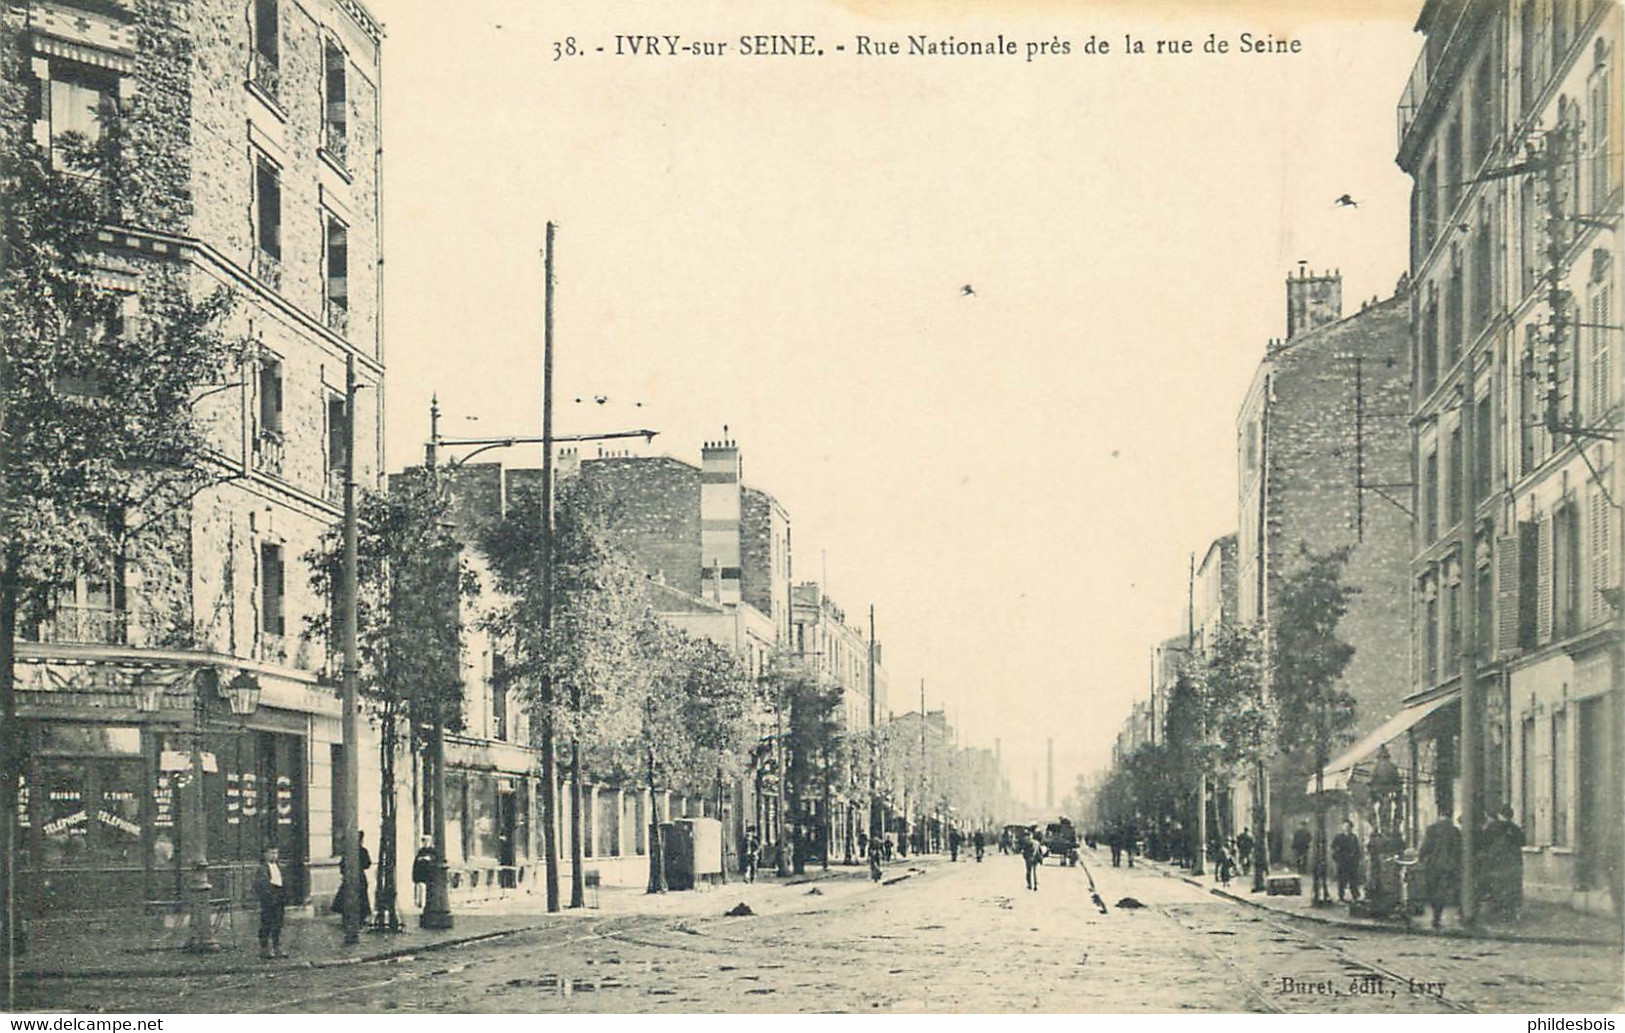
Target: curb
<point x="247" y="968"/>
<point x="1407" y="928"/>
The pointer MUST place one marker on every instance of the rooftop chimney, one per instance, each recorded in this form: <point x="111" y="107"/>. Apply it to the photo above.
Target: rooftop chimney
<point x="1312" y="300"/>
<point x="719" y="521"/>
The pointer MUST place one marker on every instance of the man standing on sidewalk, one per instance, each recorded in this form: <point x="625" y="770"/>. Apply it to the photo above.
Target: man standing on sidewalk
<point x="273" y="899"/>
<point x="1440" y="858"/>
<point x="1346" y="859"/>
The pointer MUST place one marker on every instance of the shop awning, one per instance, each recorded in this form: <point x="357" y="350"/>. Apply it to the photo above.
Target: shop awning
<point x="1357" y="757"/>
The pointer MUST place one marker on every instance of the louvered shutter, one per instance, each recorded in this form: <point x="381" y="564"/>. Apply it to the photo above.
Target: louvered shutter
<point x="1543" y="581"/>
<point x="1601" y="554"/>
<point x="1506" y="594"/>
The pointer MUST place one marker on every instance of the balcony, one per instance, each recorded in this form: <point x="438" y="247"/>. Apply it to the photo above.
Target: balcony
<point x="265" y="75"/>
<point x="268" y="268"/>
<point x="1410" y="102"/>
<point x="86" y="625"/>
<point x="268" y="452"/>
<point x="336" y="146"/>
<point x="337" y="315"/>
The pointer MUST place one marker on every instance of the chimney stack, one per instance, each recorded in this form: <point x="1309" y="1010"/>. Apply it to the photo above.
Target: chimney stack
<point x="719" y="521"/>
<point x="1312" y="300"/>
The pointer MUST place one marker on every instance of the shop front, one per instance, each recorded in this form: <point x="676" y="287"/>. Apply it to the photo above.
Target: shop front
<point x="108" y="751"/>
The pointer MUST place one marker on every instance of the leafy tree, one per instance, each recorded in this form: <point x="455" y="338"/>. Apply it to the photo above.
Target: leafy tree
<point x="411" y="577"/>
<point x="576" y="672"/>
<point x="102" y="443"/>
<point x="1233" y="672"/>
<point x="1317" y="713"/>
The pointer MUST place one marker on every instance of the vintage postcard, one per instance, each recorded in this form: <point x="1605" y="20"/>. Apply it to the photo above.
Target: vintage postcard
<point x="851" y="506"/>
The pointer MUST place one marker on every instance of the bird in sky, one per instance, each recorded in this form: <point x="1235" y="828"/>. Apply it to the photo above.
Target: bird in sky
<point x="600" y="399"/>
<point x="967" y="291"/>
<point x="1346" y="202"/>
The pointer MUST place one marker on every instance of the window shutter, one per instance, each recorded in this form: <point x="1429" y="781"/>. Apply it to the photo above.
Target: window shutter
<point x="1601" y="558"/>
<point x="1506" y="595"/>
<point x="1602" y="366"/>
<point x="1543" y="604"/>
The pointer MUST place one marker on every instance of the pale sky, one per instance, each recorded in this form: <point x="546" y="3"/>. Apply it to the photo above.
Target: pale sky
<point x="1016" y="479"/>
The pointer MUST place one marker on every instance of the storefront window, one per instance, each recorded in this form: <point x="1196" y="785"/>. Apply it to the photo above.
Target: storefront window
<point x="482" y="809"/>
<point x="456" y="844"/>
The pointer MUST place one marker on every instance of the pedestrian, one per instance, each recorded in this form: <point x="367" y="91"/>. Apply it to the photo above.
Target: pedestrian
<point x="1501" y="883"/>
<point x="1114" y="839"/>
<point x="1244" y="850"/>
<point x="1131" y="842"/>
<point x="1346" y="861"/>
<point x="272" y="894"/>
<point x="891" y="845"/>
<point x="979" y="841"/>
<point x="1226" y="866"/>
<point x="1440" y="858"/>
<point x="422" y="870"/>
<point x="876" y="852"/>
<point x="1032" y="855"/>
<point x="345" y="876"/>
<point x="953" y="844"/>
<point x="753" y="852"/>
<point x="1301" y="841"/>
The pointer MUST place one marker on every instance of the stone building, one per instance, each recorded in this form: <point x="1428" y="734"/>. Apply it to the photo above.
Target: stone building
<point x="1322" y="449"/>
<point x="823" y="639"/>
<point x="253" y="130"/>
<point x="1510" y="126"/>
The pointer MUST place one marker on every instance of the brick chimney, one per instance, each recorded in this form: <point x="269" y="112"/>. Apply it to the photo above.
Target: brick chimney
<point x="719" y="522"/>
<point x="1312" y="300"/>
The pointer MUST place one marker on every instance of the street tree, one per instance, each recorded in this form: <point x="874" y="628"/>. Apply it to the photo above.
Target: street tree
<point x="576" y="671"/>
<point x="412" y="583"/>
<point x="1316" y="711"/>
<point x="1245" y="725"/>
<point x="103" y="442"/>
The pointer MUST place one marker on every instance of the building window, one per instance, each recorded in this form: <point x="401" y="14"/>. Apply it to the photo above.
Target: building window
<point x="1430" y="633"/>
<point x="1452" y="639"/>
<point x="1602" y="358"/>
<point x="499" y="697"/>
<point x="273" y="620"/>
<point x="1602" y="559"/>
<point x="1528" y="584"/>
<point x="336" y="296"/>
<point x="1430" y="497"/>
<point x="1451" y="170"/>
<point x="1483" y="449"/>
<point x="1452" y="488"/>
<point x="1529" y="77"/>
<point x="1602" y="163"/>
<point x="266" y="68"/>
<point x="1565" y="570"/>
<point x="335" y="124"/>
<point x="1526" y="790"/>
<point x="1428" y="190"/>
<point x="1529" y="236"/>
<point x="268" y="222"/>
<point x="1560" y="778"/>
<point x="1430" y="344"/>
<point x="1483" y="113"/>
<point x="1452" y="312"/>
<point x="1483" y="287"/>
<point x="82" y="101"/>
<point x="1484" y="600"/>
<point x="270" y="397"/>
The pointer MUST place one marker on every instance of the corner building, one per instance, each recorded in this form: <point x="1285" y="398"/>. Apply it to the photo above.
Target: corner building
<point x="255" y="133"/>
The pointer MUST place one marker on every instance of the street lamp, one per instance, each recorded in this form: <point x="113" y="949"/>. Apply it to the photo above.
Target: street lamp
<point x="242" y="695"/>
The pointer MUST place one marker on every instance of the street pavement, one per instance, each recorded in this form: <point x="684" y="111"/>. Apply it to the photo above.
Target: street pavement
<point x="932" y="937"/>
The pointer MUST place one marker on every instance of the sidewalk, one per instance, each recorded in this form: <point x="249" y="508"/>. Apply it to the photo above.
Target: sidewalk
<point x="1541" y="922"/>
<point x="132" y="945"/>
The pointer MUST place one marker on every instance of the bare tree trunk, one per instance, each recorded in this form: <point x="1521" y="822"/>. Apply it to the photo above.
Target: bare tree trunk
<point x="550" y="810"/>
<point x="385" y="916"/>
<point x="578" y="885"/>
<point x="657" y="848"/>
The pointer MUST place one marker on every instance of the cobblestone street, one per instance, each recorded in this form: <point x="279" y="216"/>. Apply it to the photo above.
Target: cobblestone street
<point x="945" y="938"/>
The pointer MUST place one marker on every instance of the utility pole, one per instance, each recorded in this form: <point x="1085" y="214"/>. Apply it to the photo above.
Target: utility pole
<point x="349" y="820"/>
<point x="874" y="737"/>
<point x="1359" y="450"/>
<point x="550" y="774"/>
<point x="1199" y="854"/>
<point x="436" y="912"/>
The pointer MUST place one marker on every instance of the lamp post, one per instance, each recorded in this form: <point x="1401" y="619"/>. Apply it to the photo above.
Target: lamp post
<point x="242" y="695"/>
